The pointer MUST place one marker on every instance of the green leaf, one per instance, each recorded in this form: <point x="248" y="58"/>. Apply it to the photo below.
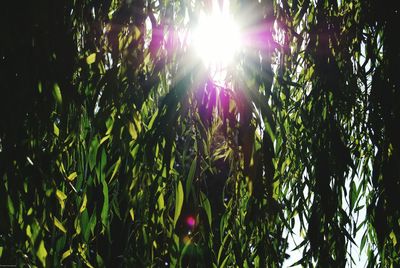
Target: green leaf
<point x="10" y="206"/>
<point x="94" y="146"/>
<point x="91" y="58"/>
<point x="106" y="137"/>
<point x="393" y="237"/>
<point x="104" y="210"/>
<point x="136" y="32"/>
<point x="363" y="240"/>
<point x="190" y="177"/>
<point x="207" y="206"/>
<point x="59" y="225"/>
<point x="41" y="253"/>
<point x="92" y="223"/>
<point x="178" y="202"/>
<point x="353" y="195"/>
<point x="66" y="254"/>
<point x="84" y="202"/>
<point x="60" y="195"/>
<point x="84" y="224"/>
<point x="56" y="130"/>
<point x="72" y="176"/>
<point x="153" y="118"/>
<point x="116" y="167"/>
<point x="61" y="198"/>
<point x="160" y="201"/>
<point x="221" y="248"/>
<point x="57" y="94"/>
<point x="132" y="131"/>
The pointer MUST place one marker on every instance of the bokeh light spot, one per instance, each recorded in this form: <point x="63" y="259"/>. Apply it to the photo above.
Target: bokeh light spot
<point x="191" y="221"/>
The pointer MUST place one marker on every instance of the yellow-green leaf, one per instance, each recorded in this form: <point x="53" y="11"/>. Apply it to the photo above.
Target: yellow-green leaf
<point x="72" y="176"/>
<point x="91" y="58"/>
<point x="132" y="131"/>
<point x="41" y="253"/>
<point x="178" y="202"/>
<point x="132" y="213"/>
<point x="28" y="231"/>
<point x="66" y="254"/>
<point x="393" y="237"/>
<point x="104" y="139"/>
<point x="136" y="32"/>
<point x="84" y="202"/>
<point x="57" y="94"/>
<point x="60" y="195"/>
<point x="160" y="201"/>
<point x="207" y="206"/>
<point x="190" y="177"/>
<point x="56" y="130"/>
<point x="59" y="225"/>
<point x="117" y="164"/>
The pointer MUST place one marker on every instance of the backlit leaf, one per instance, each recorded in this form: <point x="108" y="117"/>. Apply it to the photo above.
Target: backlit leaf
<point x="72" y="176"/>
<point x="59" y="225"/>
<point x="91" y="58"/>
<point x="41" y="253"/>
<point x="57" y="94"/>
<point x="84" y="202"/>
<point x="178" y="201"/>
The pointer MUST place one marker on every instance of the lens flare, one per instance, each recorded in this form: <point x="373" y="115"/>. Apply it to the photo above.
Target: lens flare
<point x="191" y="221"/>
<point x="217" y="38"/>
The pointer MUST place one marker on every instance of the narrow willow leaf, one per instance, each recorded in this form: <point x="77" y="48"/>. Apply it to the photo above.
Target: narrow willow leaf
<point x="190" y="177"/>
<point x="207" y="206"/>
<point x="61" y="198"/>
<point x="57" y="94"/>
<point x="221" y="248"/>
<point x="184" y="251"/>
<point x="56" y="130"/>
<point x="106" y="137"/>
<point x="178" y="202"/>
<point x="94" y="146"/>
<point x="276" y="189"/>
<point x="40" y="87"/>
<point x="92" y="222"/>
<point x="160" y="202"/>
<point x="59" y="225"/>
<point x="153" y="118"/>
<point x="72" y="176"/>
<point x="116" y="167"/>
<point x="105" y="209"/>
<point x="41" y="253"/>
<point x="66" y="254"/>
<point x="84" y="202"/>
<point x="10" y="206"/>
<point x="363" y="240"/>
<point x="132" y="131"/>
<point x="132" y="213"/>
<point x="353" y="195"/>
<point x="60" y="195"/>
<point x="91" y="58"/>
<point x="223" y="264"/>
<point x="136" y="32"/>
<point x="393" y="237"/>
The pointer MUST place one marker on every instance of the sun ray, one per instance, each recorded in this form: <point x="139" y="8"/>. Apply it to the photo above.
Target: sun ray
<point x="217" y="40"/>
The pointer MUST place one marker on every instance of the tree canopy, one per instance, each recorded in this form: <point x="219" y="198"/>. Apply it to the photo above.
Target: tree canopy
<point x="118" y="146"/>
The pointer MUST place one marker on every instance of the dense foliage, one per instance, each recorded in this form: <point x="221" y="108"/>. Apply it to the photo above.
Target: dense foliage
<point x="116" y="147"/>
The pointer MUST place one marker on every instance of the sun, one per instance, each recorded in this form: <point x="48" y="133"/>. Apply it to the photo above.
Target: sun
<point x="217" y="38"/>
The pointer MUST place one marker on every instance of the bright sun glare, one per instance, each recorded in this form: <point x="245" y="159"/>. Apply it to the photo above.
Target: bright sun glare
<point x="217" y="38"/>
